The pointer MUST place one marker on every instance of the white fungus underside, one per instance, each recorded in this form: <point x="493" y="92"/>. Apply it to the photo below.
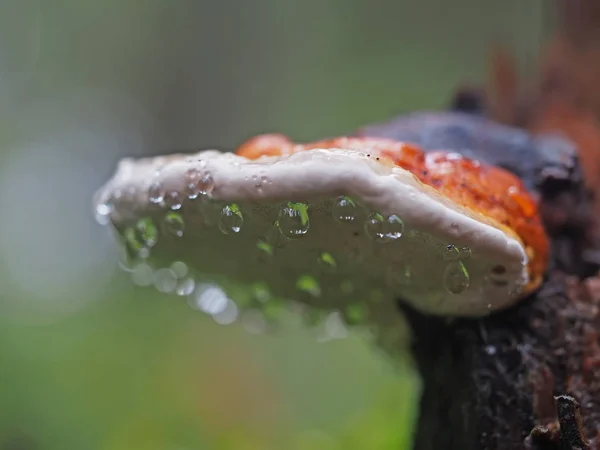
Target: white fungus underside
<point x="413" y="267"/>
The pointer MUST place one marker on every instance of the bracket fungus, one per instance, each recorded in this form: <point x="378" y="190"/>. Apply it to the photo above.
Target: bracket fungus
<point x="547" y="163"/>
<point x="335" y="223"/>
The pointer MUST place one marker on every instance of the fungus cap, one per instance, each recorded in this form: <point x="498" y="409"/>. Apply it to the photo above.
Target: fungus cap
<point x="327" y="225"/>
<point x="534" y="159"/>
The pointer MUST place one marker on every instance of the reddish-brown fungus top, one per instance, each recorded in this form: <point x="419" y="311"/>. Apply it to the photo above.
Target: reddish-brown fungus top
<point x="489" y="191"/>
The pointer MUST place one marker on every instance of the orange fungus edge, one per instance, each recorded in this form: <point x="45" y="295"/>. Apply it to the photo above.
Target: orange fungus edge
<point x="491" y="194"/>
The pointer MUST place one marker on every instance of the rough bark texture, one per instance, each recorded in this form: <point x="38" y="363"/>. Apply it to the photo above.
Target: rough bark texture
<point x="489" y="383"/>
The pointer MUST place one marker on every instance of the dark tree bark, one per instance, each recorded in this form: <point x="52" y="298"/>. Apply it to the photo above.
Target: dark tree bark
<point x="491" y="383"/>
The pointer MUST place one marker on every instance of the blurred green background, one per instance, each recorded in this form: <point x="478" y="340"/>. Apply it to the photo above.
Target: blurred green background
<point x="87" y="360"/>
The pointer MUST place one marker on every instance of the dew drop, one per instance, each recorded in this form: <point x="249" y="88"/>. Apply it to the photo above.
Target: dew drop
<point x="228" y="315"/>
<point x="198" y="183"/>
<point x="374" y="226"/>
<point x="185" y="286"/>
<point x="293" y="220"/>
<point x="231" y="219"/>
<point x="142" y="275"/>
<point x="382" y="229"/>
<point x="173" y="224"/>
<point x="308" y="284"/>
<point x="209" y="298"/>
<point x="465" y="252"/>
<point x="165" y="280"/>
<point x="173" y="200"/>
<point x="192" y="176"/>
<point x="394" y="227"/>
<point x="490" y="350"/>
<point x="180" y="269"/>
<point x="103" y="211"/>
<point x="344" y="209"/>
<point x="140" y="237"/>
<point x="327" y="260"/>
<point x="146" y="232"/>
<point x="156" y="193"/>
<point x="451" y="253"/>
<point x="456" y="277"/>
<point x="259" y="182"/>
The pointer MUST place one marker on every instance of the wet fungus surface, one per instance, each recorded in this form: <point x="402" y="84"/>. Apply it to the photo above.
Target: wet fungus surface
<point x="493" y="194"/>
<point x="342" y="225"/>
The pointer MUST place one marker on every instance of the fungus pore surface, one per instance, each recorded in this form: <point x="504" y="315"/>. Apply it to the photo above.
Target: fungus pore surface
<point x="348" y="225"/>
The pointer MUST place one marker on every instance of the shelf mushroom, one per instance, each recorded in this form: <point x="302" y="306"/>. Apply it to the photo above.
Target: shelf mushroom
<point x="335" y="222"/>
